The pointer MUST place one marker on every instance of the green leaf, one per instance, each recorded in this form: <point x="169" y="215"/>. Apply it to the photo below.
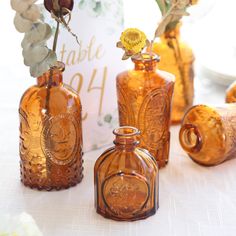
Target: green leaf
<point x="162" y="6"/>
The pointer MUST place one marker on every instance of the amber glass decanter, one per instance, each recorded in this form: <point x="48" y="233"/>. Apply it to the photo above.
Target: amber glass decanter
<point x="50" y="133"/>
<point x="177" y="58"/>
<point x="208" y="134"/>
<point x="231" y="93"/>
<point x="126" y="179"/>
<point x="144" y="100"/>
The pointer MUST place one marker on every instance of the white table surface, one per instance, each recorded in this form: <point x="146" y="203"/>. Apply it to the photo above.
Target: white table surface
<point x="194" y="200"/>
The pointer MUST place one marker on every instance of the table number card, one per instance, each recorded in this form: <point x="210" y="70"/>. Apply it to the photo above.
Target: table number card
<point x="92" y="66"/>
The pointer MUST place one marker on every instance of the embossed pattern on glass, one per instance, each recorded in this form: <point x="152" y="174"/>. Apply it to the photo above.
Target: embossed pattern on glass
<point x="231" y="93"/>
<point x="144" y="101"/>
<point x="126" y="179"/>
<point x="50" y="134"/>
<point x="208" y="134"/>
<point x="177" y="58"/>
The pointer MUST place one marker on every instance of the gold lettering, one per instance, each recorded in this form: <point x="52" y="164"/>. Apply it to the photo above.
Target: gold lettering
<point x="62" y="52"/>
<point x="90" y="53"/>
<point x="82" y="54"/>
<point x="100" y="52"/>
<point x="78" y="77"/>
<point x="90" y="48"/>
<point x="71" y="58"/>
<point x="102" y="88"/>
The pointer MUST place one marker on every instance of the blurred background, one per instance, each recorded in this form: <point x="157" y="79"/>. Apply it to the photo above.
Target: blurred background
<point x="210" y="31"/>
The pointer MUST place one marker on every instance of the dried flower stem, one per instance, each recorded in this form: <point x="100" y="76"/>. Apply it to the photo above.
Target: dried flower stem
<point x="51" y="70"/>
<point x="56" y="37"/>
<point x="179" y="60"/>
<point x="168" y="13"/>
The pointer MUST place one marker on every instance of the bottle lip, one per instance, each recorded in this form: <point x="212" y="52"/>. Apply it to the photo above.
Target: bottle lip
<point x="191" y="148"/>
<point x="145" y="57"/>
<point x="59" y="65"/>
<point x="126" y="131"/>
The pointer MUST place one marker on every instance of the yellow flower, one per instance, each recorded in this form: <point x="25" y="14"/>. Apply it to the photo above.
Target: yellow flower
<point x="132" y="41"/>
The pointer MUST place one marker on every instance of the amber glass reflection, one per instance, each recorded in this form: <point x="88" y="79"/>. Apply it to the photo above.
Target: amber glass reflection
<point x="144" y="101"/>
<point x="208" y="134"/>
<point x="50" y="134"/>
<point x="126" y="179"/>
<point x="231" y="93"/>
<point x="177" y="58"/>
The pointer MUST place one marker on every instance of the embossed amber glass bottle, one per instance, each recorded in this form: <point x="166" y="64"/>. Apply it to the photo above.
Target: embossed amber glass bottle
<point x="231" y="93"/>
<point x="50" y="134"/>
<point x="144" y="100"/>
<point x="208" y="134"/>
<point x="126" y="179"/>
<point x="177" y="58"/>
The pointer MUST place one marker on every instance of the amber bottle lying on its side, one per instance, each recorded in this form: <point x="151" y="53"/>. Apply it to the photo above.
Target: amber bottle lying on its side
<point x="177" y="58"/>
<point x="144" y="101"/>
<point x="126" y="179"/>
<point x="208" y="134"/>
<point x="231" y="93"/>
<point x="50" y="133"/>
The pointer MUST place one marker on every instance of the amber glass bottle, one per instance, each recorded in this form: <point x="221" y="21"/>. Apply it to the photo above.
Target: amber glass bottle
<point x="126" y="179"/>
<point x="50" y="134"/>
<point x="231" y="93"/>
<point x="208" y="134"/>
<point x="144" y="101"/>
<point x="177" y="58"/>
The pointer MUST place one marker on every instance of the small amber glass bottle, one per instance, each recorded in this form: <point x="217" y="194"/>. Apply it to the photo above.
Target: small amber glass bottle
<point x="177" y="58"/>
<point x="208" y="134"/>
<point x="231" y="93"/>
<point x="50" y="133"/>
<point x="126" y="179"/>
<point x="144" y="101"/>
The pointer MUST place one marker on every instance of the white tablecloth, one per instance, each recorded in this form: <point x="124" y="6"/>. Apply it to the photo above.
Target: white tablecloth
<point x="194" y="200"/>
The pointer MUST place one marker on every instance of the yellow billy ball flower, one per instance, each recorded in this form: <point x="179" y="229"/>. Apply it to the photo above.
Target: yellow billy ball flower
<point x="133" y="40"/>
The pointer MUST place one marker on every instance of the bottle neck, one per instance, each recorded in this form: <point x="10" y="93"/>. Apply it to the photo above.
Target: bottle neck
<point x="146" y="62"/>
<point x="190" y="138"/>
<point x="53" y="77"/>
<point x="126" y="138"/>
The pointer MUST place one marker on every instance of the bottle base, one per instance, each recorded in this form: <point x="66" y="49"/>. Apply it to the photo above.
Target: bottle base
<point x="51" y="187"/>
<point x="143" y="216"/>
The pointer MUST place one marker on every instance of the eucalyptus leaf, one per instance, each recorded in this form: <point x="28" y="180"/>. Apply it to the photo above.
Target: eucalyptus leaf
<point x="161" y="4"/>
<point x="34" y="55"/>
<point x="21" y="6"/>
<point x="164" y="6"/>
<point x="40" y="32"/>
<point x="42" y="67"/>
<point x="21" y="24"/>
<point x="32" y="13"/>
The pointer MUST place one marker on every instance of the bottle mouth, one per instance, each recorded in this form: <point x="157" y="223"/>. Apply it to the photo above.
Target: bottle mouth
<point x="126" y="137"/>
<point x="59" y="66"/>
<point x="126" y="131"/>
<point x="190" y="138"/>
<point x="146" y="57"/>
